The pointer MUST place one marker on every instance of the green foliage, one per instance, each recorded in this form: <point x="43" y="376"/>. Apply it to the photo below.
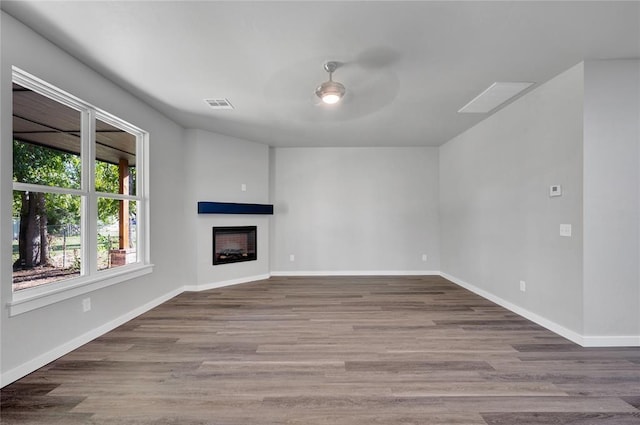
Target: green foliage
<point x="62" y="209"/>
<point x="106" y="242"/>
<point x="50" y="167"/>
<point x="103" y="241"/>
<point x="75" y="265"/>
<point x="107" y="181"/>
<point x="107" y="177"/>
<point x="42" y="165"/>
<point x="107" y="210"/>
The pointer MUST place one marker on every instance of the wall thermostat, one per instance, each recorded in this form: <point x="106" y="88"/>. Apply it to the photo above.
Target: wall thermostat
<point x="555" y="190"/>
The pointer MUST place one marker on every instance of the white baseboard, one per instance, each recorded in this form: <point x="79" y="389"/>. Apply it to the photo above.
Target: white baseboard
<point x="611" y="341"/>
<point x="46" y="358"/>
<point x="546" y="323"/>
<point x="213" y="285"/>
<point x="357" y="273"/>
<point x="584" y="341"/>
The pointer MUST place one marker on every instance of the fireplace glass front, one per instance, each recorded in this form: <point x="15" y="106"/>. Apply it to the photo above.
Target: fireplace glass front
<point x="234" y="244"/>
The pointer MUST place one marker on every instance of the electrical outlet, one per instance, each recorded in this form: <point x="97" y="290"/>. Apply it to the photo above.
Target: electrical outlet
<point x="424" y="257"/>
<point x="523" y="286"/>
<point x="292" y="257"/>
<point x="243" y="187"/>
<point x="86" y="304"/>
<point x="565" y="230"/>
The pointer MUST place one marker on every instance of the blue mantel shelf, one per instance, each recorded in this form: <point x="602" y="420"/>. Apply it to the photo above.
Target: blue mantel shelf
<point x="233" y="208"/>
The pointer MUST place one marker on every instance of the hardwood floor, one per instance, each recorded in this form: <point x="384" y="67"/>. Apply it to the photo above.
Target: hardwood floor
<point x="331" y="351"/>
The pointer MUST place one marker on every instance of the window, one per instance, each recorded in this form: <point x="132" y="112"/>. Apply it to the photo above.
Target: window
<point x="79" y="199"/>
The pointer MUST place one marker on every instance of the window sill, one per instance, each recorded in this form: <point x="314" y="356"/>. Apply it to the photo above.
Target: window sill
<point x="27" y="300"/>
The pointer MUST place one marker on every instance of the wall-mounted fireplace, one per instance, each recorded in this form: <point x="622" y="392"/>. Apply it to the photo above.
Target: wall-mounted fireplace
<point x="234" y="244"/>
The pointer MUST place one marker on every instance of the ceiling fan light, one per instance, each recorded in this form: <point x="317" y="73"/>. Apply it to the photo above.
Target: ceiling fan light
<point x="331" y="98"/>
<point x="330" y="92"/>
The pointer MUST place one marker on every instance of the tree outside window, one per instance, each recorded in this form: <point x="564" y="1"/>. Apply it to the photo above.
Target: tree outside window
<point x="75" y="201"/>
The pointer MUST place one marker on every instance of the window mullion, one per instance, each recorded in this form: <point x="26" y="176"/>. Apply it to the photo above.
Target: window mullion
<point x="90" y="216"/>
<point x="143" y="193"/>
<point x="30" y="187"/>
<point x="117" y="196"/>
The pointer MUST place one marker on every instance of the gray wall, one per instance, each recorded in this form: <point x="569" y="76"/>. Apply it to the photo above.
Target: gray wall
<point x="355" y="210"/>
<point x="30" y="336"/>
<point x="611" y="198"/>
<point x="478" y="206"/>
<point x="216" y="167"/>
<point x="498" y="224"/>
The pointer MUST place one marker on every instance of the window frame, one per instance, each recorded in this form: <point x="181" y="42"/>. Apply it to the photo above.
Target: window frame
<point x="90" y="278"/>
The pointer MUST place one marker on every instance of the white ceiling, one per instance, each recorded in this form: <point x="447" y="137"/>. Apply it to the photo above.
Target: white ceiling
<point x="408" y="66"/>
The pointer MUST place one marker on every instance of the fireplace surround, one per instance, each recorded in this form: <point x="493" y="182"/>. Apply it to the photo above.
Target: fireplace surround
<point x="234" y="244"/>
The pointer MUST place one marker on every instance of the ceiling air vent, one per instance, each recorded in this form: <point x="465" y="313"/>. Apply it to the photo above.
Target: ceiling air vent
<point x="219" y="103"/>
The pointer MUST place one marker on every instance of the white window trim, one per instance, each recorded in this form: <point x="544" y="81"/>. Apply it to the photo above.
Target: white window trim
<point x="90" y="279"/>
<point x="59" y="291"/>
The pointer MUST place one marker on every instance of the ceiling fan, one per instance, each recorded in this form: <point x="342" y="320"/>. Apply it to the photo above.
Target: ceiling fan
<point x="330" y="92"/>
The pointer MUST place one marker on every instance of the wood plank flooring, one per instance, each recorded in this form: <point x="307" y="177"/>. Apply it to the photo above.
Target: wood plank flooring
<point x="331" y="351"/>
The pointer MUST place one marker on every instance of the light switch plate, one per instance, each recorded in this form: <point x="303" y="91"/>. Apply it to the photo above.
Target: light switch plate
<point x="565" y="230"/>
<point x="555" y="190"/>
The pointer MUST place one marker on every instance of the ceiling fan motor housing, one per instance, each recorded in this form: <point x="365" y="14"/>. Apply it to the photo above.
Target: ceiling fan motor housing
<point x="330" y="91"/>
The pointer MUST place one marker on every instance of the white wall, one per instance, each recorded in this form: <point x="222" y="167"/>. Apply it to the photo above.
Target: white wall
<point x="498" y="224"/>
<point x="216" y="168"/>
<point x="31" y="339"/>
<point x="612" y="198"/>
<point x="355" y="210"/>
